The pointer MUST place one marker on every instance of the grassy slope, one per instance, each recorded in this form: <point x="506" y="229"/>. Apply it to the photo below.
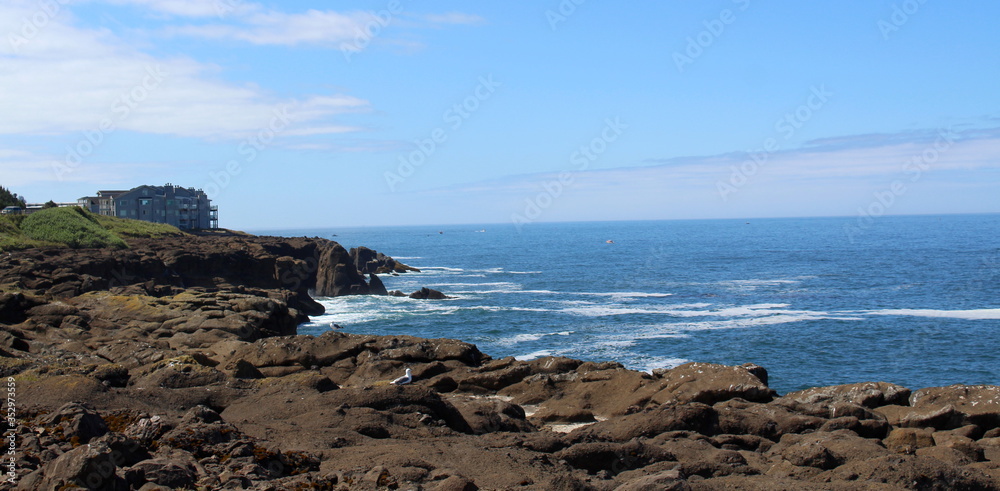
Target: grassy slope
<point x="76" y="228"/>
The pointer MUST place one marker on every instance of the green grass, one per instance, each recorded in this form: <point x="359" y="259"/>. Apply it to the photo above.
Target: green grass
<point x="77" y="228"/>
<point x="71" y="226"/>
<point x="138" y="229"/>
<point x="11" y="238"/>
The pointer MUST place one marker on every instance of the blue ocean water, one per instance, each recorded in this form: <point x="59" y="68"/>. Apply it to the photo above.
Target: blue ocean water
<point x="820" y="301"/>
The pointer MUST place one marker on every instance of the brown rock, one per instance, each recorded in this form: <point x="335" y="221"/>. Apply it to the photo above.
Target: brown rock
<point x="868" y="394"/>
<point x="764" y="420"/>
<point x="488" y="416"/>
<point x="940" y="417"/>
<point x="612" y="457"/>
<point x="909" y="472"/>
<point x="908" y="440"/>
<point x="710" y="383"/>
<point x="663" y="481"/>
<point x="454" y="483"/>
<point x="975" y="404"/>
<point x="76" y="422"/>
<point x="652" y="422"/>
<point x="171" y="473"/>
<point x="88" y="466"/>
<point x="823" y="450"/>
<point x="428" y="294"/>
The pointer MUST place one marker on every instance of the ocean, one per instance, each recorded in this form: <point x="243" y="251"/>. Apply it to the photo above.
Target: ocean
<point x="911" y="300"/>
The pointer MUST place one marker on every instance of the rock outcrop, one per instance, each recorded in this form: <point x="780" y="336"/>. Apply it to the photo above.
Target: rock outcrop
<point x="195" y="378"/>
<point x="367" y="261"/>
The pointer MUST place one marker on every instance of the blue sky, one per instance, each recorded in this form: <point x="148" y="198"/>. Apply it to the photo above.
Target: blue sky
<point x="307" y="114"/>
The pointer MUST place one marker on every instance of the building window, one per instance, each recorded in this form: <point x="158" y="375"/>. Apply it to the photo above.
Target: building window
<point x="123" y="213"/>
<point x="145" y="202"/>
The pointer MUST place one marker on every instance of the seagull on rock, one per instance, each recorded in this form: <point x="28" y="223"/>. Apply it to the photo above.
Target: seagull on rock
<point x="405" y="379"/>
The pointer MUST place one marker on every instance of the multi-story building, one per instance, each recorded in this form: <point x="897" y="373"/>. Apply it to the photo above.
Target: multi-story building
<point x="184" y="208"/>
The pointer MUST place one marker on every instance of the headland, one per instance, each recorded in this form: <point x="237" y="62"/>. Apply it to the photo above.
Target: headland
<point x="175" y="363"/>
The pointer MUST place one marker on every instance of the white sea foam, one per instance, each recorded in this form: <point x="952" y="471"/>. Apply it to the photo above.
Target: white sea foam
<point x="440" y="269"/>
<point x="528" y="337"/>
<point x="495" y="283"/>
<point x="663" y="336"/>
<point x="520" y="338"/>
<point x="533" y="355"/>
<point x="652" y="364"/>
<point x="530" y="309"/>
<point x="624" y="295"/>
<point x="978" y="314"/>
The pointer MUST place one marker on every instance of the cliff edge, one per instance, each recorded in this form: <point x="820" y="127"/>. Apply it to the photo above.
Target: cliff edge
<point x="175" y="363"/>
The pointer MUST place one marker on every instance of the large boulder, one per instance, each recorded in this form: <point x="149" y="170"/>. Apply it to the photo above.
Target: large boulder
<point x="375" y="285"/>
<point x="428" y="294"/>
<point x="337" y="275"/>
<point x="909" y="472"/>
<point x="710" y="383"/>
<point x="974" y="404"/>
<point x="868" y="394"/>
<point x="88" y="466"/>
<point x="368" y="261"/>
<point x="170" y="472"/>
<point x="693" y="417"/>
<point x="76" y="422"/>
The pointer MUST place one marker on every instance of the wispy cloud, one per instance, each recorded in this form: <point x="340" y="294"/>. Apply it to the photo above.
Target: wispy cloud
<point x="314" y="27"/>
<point x="832" y="174"/>
<point x="70" y="79"/>
<point x="192" y="8"/>
<point x="455" y="18"/>
<point x="20" y="168"/>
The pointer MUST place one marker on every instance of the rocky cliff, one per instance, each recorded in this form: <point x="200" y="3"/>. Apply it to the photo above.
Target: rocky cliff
<point x="176" y="365"/>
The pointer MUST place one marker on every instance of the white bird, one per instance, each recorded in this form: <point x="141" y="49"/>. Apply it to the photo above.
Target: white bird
<point x="405" y="379"/>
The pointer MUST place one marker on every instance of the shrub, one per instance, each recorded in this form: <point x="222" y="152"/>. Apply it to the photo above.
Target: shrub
<point x="73" y="226"/>
<point x="125" y="227"/>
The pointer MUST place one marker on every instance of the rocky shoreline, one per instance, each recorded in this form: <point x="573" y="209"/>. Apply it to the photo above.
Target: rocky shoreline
<point x="175" y="364"/>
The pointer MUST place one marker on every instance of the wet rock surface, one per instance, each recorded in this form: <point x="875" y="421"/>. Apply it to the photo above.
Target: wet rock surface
<point x="190" y="374"/>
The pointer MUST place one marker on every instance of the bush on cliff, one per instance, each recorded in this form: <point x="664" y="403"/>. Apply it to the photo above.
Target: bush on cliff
<point x="138" y="229"/>
<point x="11" y="238"/>
<point x="70" y="226"/>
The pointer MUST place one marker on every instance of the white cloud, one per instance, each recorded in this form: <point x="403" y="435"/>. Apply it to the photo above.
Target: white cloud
<point x="192" y="8"/>
<point x="20" y="168"/>
<point x="800" y="182"/>
<point x="455" y="18"/>
<point x="279" y="28"/>
<point x="65" y="78"/>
